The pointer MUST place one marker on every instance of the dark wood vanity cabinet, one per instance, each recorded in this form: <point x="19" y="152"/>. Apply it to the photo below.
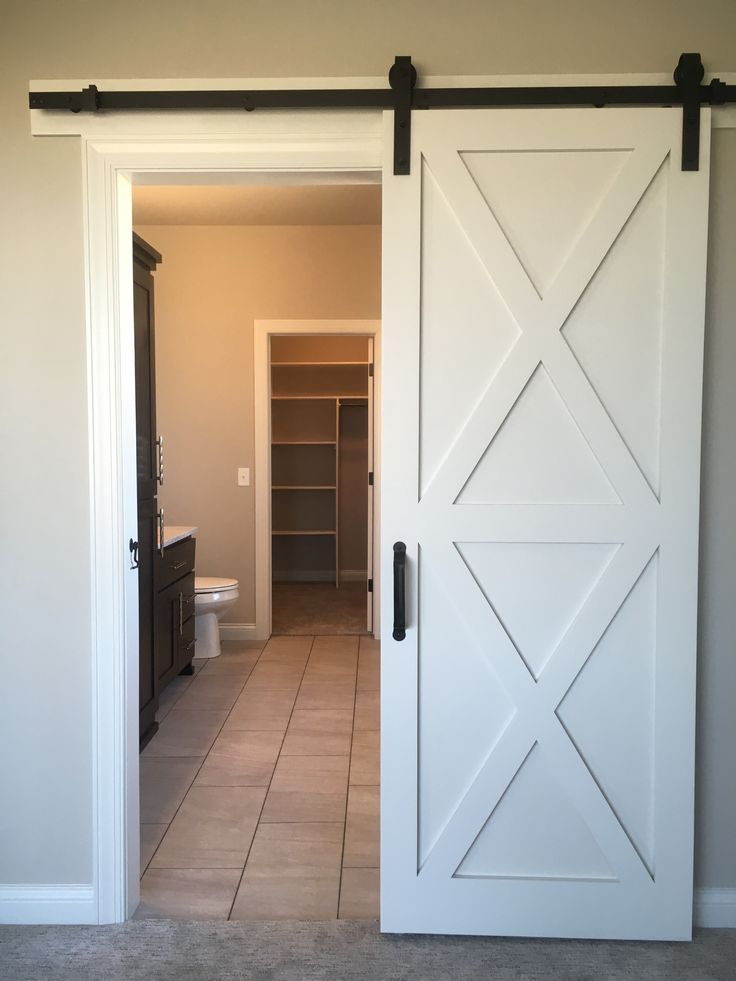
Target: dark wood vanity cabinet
<point x="174" y="615"/>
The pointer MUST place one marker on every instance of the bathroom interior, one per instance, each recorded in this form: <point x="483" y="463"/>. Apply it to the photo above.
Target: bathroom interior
<point x="259" y="755"/>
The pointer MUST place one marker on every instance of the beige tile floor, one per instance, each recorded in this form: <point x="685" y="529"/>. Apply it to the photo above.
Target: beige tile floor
<point x="259" y="792"/>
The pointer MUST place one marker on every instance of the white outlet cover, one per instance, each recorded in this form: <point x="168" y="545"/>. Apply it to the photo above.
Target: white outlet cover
<point x="243" y="476"/>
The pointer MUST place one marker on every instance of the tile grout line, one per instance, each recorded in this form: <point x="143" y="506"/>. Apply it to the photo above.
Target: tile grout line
<point x="204" y="758"/>
<point x="347" y="793"/>
<point x="268" y="788"/>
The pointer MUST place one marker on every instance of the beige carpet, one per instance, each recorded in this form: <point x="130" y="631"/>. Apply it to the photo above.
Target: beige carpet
<point x="162" y="950"/>
<point x="319" y="608"/>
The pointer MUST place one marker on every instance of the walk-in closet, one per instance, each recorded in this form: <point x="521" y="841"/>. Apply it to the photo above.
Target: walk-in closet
<point x="321" y="482"/>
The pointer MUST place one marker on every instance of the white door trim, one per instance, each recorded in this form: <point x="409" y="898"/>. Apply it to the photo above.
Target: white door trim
<point x="288" y="147"/>
<point x="263" y="330"/>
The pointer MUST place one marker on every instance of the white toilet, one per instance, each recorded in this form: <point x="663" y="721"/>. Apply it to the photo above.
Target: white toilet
<point x="212" y="598"/>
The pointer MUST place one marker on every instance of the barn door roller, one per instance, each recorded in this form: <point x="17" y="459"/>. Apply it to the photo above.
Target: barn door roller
<point x="403" y="96"/>
<point x="402" y="78"/>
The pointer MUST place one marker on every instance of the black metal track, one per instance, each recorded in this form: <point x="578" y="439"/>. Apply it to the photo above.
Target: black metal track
<point x="92" y="100"/>
<point x="454" y="98"/>
<point x="567" y="95"/>
<point x="403" y="96"/>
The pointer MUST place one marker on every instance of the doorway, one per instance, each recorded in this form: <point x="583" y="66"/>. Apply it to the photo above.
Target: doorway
<point x="318" y="148"/>
<point x="317" y="476"/>
<point x="268" y="751"/>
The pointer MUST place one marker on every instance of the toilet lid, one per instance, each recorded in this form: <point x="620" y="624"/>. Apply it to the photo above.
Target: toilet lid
<point x="212" y="584"/>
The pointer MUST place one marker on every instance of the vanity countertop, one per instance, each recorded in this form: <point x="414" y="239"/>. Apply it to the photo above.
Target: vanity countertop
<point x="177" y="533"/>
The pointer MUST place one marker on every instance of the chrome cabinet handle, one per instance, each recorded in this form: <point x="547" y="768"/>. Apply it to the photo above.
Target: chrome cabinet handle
<point x="160" y="516"/>
<point x="160" y="456"/>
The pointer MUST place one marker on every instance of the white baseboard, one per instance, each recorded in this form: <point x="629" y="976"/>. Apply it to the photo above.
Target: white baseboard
<point x="319" y="575"/>
<point x="715" y="908"/>
<point x="69" y="904"/>
<point x="238" y="631"/>
<point x="61" y="905"/>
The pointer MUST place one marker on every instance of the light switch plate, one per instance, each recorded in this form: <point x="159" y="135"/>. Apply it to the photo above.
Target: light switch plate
<point x="243" y="476"/>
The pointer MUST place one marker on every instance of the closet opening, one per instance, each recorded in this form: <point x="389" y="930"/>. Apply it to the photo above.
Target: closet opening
<point x="322" y="479"/>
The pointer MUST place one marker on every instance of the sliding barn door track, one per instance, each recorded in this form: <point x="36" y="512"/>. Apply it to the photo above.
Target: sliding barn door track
<point x="403" y="96"/>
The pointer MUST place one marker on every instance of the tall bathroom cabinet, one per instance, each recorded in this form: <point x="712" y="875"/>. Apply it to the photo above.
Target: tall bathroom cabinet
<point x="165" y="572"/>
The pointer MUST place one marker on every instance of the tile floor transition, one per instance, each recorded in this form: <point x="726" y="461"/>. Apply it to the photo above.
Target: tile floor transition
<point x="259" y="792"/>
<point x="319" y="608"/>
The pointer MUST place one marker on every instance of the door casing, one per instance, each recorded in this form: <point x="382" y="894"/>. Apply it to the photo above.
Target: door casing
<point x="295" y="148"/>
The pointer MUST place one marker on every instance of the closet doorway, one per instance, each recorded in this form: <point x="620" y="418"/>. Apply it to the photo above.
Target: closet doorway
<point x="319" y="499"/>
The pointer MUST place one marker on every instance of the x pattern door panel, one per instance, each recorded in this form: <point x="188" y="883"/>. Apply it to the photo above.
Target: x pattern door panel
<point x="545" y="480"/>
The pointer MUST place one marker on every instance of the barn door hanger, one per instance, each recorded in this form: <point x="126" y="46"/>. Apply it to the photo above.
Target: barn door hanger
<point x="688" y="77"/>
<point x="402" y="78"/>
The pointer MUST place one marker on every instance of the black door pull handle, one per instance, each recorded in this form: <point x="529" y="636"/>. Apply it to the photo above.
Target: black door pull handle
<point x="399" y="591"/>
<point x="133" y="549"/>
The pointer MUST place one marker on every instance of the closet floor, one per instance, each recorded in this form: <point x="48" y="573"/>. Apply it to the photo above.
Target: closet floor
<point x="319" y="608"/>
<point x="259" y="792"/>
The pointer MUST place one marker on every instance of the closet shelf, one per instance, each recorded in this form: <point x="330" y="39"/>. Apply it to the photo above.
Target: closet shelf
<point x="304" y="398"/>
<point x="303" y="442"/>
<point x="319" y="397"/>
<point x="326" y="531"/>
<point x="316" y="364"/>
<point x="303" y="487"/>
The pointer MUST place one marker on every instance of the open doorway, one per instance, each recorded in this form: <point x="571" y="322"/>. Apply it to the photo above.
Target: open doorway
<point x="321" y="483"/>
<point x="259" y="782"/>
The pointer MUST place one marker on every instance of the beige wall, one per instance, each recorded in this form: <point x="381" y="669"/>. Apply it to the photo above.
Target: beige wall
<point x="715" y="851"/>
<point x="45" y="700"/>
<point x="213" y="283"/>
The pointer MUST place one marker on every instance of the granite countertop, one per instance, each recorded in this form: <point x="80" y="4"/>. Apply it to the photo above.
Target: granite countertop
<point x="176" y="533"/>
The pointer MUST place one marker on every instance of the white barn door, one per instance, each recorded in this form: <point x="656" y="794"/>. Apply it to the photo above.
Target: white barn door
<point x="543" y="331"/>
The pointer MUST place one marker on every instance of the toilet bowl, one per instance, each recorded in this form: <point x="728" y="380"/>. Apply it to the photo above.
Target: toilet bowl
<point x="212" y="598"/>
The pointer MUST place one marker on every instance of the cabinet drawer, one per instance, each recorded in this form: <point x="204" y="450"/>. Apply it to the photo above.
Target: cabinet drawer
<point x="186" y="598"/>
<point x="176" y="562"/>
<point x="186" y="643"/>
